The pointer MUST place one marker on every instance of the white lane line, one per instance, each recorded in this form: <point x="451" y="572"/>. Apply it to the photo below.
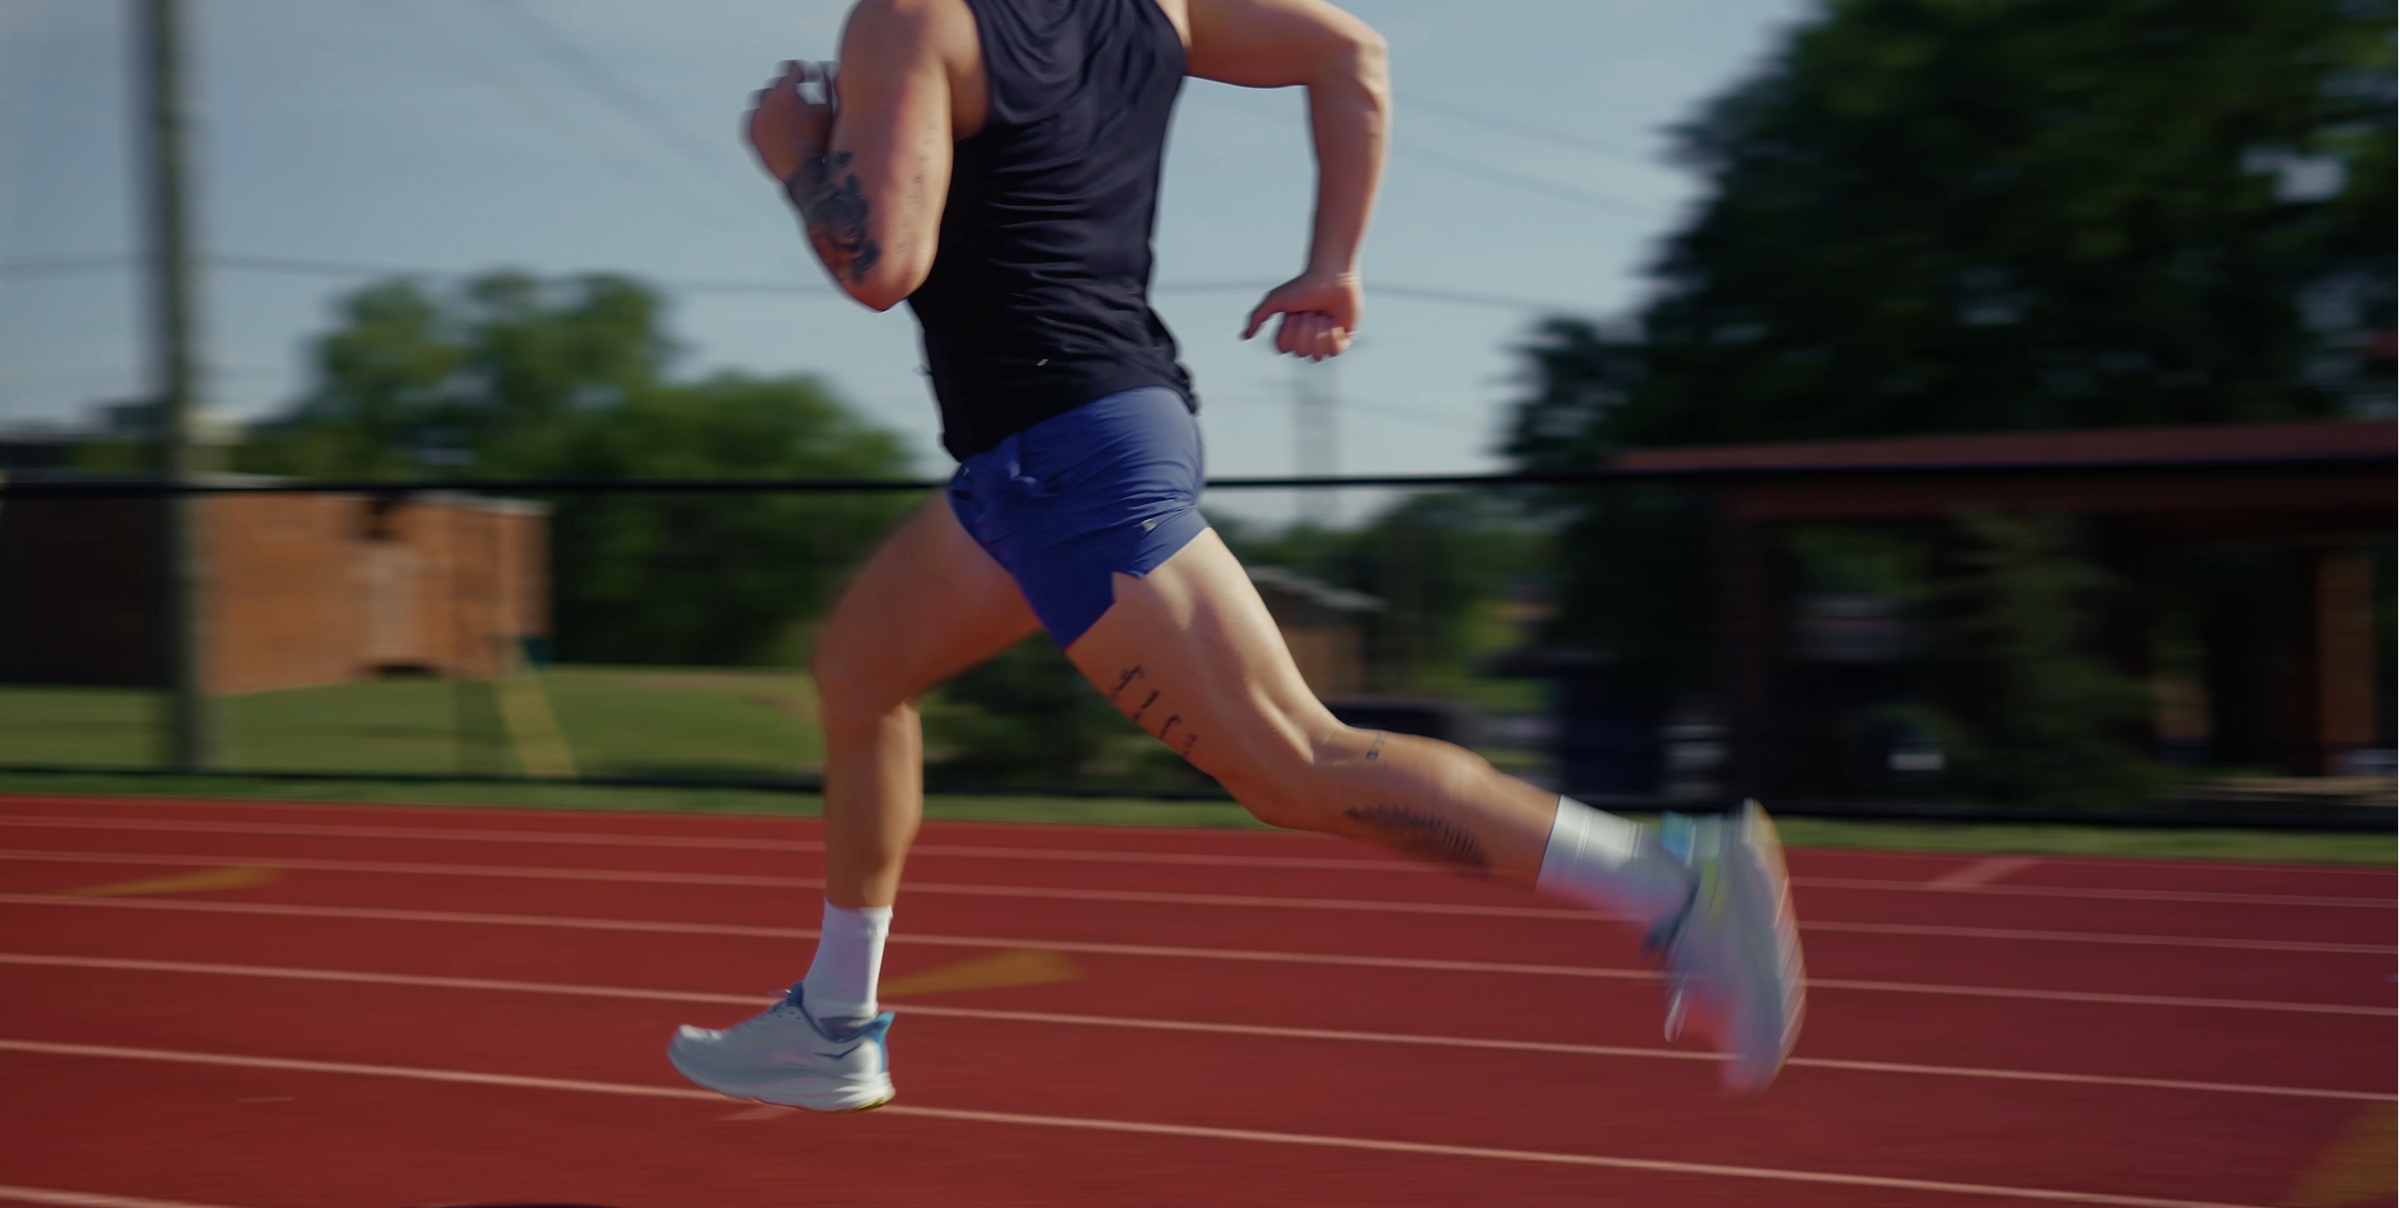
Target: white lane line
<point x="419" y="810"/>
<point x="1155" y="950"/>
<point x="1197" y="1132"/>
<point x="703" y="843"/>
<point x="323" y="809"/>
<point x="87" y="1199"/>
<point x="188" y="805"/>
<point x="1089" y="855"/>
<point x="2101" y="937"/>
<point x="1982" y="872"/>
<point x="129" y="964"/>
<point x="941" y="888"/>
<point x="2101" y="895"/>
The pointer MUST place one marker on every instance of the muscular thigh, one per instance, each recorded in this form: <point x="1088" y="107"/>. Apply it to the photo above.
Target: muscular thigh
<point x="928" y="604"/>
<point x="1190" y="654"/>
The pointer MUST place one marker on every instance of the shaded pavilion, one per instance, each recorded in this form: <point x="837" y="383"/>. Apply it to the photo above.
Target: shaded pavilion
<point x="2316" y="498"/>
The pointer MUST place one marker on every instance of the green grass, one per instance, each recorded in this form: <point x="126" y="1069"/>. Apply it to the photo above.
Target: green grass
<point x="79" y="727"/>
<point x="2268" y="847"/>
<point x="2301" y="847"/>
<point x="703" y="723"/>
<point x="403" y="725"/>
<point x="617" y="721"/>
<point x="1096" y="811"/>
<point x="651" y="721"/>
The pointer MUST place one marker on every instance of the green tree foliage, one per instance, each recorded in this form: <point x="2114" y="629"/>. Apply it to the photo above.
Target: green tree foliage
<point x="1024" y="717"/>
<point x="1980" y="215"/>
<point x="709" y="578"/>
<point x="1432" y="558"/>
<point x="1975" y="215"/>
<point x="514" y="377"/>
<point x="2035" y="716"/>
<point x="475" y="381"/>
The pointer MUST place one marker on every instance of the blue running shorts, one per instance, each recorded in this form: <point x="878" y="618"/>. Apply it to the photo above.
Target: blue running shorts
<point x="1113" y="485"/>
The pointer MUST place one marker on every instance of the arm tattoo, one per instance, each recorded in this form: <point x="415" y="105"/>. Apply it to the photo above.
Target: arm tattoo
<point x="834" y="209"/>
<point x="1422" y="835"/>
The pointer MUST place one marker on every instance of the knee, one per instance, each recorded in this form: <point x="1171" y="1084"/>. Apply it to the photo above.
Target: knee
<point x="850" y="694"/>
<point x="1291" y="780"/>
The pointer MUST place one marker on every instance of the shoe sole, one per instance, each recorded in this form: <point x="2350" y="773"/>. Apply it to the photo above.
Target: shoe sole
<point x="774" y="1095"/>
<point x="1762" y="879"/>
<point x="827" y="1111"/>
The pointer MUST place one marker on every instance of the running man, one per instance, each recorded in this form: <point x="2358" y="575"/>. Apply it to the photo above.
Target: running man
<point x="995" y="163"/>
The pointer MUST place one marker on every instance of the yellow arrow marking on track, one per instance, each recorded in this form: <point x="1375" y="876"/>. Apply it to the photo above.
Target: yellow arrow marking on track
<point x="240" y="877"/>
<point x="1012" y="967"/>
<point x="2358" y="1168"/>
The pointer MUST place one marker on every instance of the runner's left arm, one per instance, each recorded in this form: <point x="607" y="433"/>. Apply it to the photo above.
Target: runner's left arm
<point x="868" y="174"/>
<point x="1343" y="64"/>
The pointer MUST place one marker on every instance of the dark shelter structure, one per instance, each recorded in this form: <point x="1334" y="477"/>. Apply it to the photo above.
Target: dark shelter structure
<point x="2296" y="686"/>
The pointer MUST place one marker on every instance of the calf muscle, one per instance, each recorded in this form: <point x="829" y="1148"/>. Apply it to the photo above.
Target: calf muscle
<point x="1190" y="654"/>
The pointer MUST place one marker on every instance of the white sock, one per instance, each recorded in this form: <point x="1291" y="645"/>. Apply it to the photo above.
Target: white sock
<point x="1610" y="865"/>
<point x="840" y="987"/>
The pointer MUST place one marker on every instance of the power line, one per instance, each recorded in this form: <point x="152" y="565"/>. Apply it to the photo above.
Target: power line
<point x="596" y="78"/>
<point x="1537" y="184"/>
<point x="1522" y="180"/>
<point x="1215" y="400"/>
<point x="1420" y="293"/>
<point x="64" y="266"/>
<point x="468" y="56"/>
<point x="1519" y="127"/>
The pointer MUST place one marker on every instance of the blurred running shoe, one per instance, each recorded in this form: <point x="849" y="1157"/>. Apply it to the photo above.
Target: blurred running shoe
<point x="1732" y="955"/>
<point x="783" y="1055"/>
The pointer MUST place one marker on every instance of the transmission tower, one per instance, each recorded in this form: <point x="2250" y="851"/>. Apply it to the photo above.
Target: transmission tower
<point x="1316" y="438"/>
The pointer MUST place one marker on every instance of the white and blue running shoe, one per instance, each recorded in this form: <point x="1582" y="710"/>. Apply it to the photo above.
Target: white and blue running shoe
<point x="1733" y="953"/>
<point x="784" y="1056"/>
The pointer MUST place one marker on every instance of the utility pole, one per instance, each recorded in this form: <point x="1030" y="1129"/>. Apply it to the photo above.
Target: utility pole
<point x="159" y="33"/>
<point x="1316" y="439"/>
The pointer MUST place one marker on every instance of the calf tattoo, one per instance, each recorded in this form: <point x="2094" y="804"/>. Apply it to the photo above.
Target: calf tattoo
<point x="1422" y="835"/>
<point x="834" y="208"/>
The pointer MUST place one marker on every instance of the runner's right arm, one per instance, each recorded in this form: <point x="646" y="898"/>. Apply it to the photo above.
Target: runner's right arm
<point x="869" y="179"/>
<point x="1278" y="44"/>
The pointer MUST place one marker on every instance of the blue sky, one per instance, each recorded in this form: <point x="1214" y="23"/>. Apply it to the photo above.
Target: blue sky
<point x="571" y="135"/>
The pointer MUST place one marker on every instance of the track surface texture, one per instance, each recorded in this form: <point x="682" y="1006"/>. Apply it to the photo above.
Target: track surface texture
<point x="233" y="1005"/>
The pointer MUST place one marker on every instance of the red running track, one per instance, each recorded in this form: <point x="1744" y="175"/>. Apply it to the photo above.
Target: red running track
<point x="269" y="1006"/>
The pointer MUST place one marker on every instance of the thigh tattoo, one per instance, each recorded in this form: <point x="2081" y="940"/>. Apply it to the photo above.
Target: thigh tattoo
<point x="1138" y="704"/>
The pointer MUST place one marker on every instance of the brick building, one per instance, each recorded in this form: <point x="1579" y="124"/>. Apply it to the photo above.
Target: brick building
<point x="296" y="589"/>
<point x="1321" y="626"/>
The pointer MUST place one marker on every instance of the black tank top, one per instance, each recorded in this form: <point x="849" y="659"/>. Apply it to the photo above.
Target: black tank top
<point x="1038" y="300"/>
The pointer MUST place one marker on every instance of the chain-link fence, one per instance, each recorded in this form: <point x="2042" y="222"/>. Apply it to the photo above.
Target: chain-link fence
<point x="2037" y="640"/>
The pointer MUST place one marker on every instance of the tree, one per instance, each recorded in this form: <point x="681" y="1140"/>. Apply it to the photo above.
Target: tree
<point x="1981" y="215"/>
<point x="1432" y="558"/>
<point x="1975" y="215"/>
<point x="709" y="579"/>
<point x="514" y="377"/>
<point x="2034" y="716"/>
<point x="414" y="382"/>
<point x="1025" y="716"/>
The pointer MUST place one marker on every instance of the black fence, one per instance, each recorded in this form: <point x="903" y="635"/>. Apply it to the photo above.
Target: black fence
<point x="1644" y="637"/>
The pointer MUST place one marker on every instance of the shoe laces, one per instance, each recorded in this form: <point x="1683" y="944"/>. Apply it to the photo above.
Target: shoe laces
<point x="1676" y="835"/>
